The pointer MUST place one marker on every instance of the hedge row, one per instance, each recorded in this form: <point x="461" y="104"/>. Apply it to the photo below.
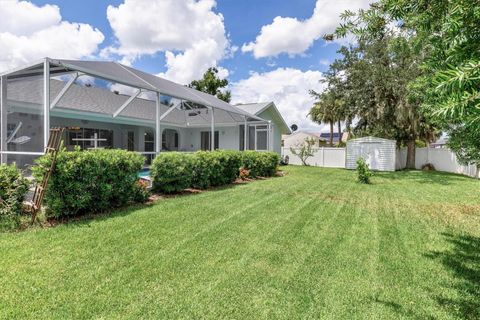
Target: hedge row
<point x="91" y="181"/>
<point x="175" y="171"/>
<point x="13" y="188"/>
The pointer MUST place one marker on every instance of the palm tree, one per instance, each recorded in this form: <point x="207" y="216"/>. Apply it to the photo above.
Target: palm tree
<point x="329" y="110"/>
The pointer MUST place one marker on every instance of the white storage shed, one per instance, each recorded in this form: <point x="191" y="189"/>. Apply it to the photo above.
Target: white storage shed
<point x="378" y="153"/>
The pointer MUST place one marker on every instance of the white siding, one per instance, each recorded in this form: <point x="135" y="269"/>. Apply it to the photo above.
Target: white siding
<point x="378" y="153"/>
<point x="297" y="139"/>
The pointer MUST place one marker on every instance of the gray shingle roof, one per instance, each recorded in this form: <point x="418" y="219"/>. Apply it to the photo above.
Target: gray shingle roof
<point x="118" y="73"/>
<point x="103" y="101"/>
<point x="253" y="108"/>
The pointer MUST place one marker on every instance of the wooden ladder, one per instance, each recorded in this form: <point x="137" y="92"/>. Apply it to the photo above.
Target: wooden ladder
<point x="54" y="142"/>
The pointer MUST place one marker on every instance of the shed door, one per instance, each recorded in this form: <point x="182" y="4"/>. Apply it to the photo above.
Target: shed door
<point x="371" y="154"/>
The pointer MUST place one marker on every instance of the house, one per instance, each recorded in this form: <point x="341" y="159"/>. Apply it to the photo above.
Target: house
<point x="149" y="115"/>
<point x="326" y="136"/>
<point x="299" y="137"/>
<point x="267" y="111"/>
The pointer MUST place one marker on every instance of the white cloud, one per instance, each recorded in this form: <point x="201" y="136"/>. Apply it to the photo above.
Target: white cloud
<point x="190" y="33"/>
<point x="324" y="62"/>
<point x="287" y="87"/>
<point x="293" y="36"/>
<point x="29" y="32"/>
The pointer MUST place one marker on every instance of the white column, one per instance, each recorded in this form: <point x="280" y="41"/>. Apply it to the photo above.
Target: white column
<point x="212" y="134"/>
<point x="245" y="128"/>
<point x="269" y="135"/>
<point x="158" y="133"/>
<point x="255" y="137"/>
<point x="46" y="102"/>
<point x="3" y="117"/>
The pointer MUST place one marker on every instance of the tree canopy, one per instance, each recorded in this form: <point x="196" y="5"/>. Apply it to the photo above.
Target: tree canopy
<point x="211" y="83"/>
<point x="372" y="79"/>
<point x="446" y="33"/>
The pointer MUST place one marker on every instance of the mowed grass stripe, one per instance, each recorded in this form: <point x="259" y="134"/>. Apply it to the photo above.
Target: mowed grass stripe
<point x="313" y="244"/>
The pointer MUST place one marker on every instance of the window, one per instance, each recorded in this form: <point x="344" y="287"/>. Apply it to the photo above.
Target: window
<point x="149" y="141"/>
<point x="241" y="136"/>
<point x="205" y="140"/>
<point x="87" y="138"/>
<point x="170" y="140"/>
<point x="130" y="140"/>
<point x="262" y="143"/>
<point x="258" y="137"/>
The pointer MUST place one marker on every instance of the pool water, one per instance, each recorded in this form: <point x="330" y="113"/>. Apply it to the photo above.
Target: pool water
<point x="144" y="173"/>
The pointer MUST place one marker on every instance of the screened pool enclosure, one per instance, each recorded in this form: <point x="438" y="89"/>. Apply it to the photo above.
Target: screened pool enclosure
<point x="104" y="104"/>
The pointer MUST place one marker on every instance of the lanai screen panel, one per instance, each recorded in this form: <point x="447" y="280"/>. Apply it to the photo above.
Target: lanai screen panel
<point x="22" y="127"/>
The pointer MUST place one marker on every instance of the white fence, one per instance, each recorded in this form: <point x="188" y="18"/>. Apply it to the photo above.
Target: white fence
<point x="322" y="157"/>
<point x="442" y="159"/>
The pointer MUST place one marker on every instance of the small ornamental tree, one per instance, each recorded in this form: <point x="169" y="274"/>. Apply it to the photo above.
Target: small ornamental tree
<point x="364" y="172"/>
<point x="304" y="150"/>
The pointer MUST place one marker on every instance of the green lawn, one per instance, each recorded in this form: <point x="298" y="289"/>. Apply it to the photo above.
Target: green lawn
<point x="313" y="244"/>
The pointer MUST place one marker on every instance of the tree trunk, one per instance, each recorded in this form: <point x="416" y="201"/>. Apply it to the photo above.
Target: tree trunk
<point x="410" y="154"/>
<point x="339" y="132"/>
<point x="331" y="134"/>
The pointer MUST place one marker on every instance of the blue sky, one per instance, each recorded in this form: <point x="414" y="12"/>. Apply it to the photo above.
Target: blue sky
<point x="268" y="50"/>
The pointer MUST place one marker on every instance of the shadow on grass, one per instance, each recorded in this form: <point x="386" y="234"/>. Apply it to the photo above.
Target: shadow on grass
<point x="399" y="309"/>
<point x="423" y="177"/>
<point x="83" y="220"/>
<point x="463" y="260"/>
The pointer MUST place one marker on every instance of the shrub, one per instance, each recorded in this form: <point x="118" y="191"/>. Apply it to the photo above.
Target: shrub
<point x="244" y="173"/>
<point x="172" y="171"/>
<point x="90" y="181"/>
<point x="13" y="188"/>
<point x="304" y="150"/>
<point x="140" y="191"/>
<point x="260" y="164"/>
<point x="364" y="172"/>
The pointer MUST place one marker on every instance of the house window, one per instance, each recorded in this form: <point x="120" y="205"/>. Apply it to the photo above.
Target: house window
<point x="170" y="140"/>
<point x="258" y="137"/>
<point x="149" y="141"/>
<point x="261" y="138"/>
<point x="130" y="140"/>
<point x="205" y="140"/>
<point x="87" y="138"/>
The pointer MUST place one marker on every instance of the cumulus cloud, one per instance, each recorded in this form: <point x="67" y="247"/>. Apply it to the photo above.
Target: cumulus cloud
<point x="293" y="37"/>
<point x="189" y="32"/>
<point x="287" y="87"/>
<point x="29" y="32"/>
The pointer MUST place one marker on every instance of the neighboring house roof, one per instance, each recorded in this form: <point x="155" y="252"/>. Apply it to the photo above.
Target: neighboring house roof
<point x="258" y="108"/>
<point x="310" y="133"/>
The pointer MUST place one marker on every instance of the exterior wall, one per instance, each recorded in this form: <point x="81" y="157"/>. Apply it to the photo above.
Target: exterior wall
<point x="322" y="157"/>
<point x="379" y="153"/>
<point x="228" y="138"/>
<point x="276" y="133"/>
<point x="298" y="138"/>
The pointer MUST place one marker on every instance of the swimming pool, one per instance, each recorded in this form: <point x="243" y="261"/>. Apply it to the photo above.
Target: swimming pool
<point x="144" y="173"/>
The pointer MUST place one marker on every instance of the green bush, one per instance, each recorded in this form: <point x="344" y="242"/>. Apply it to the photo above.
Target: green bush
<point x="260" y="164"/>
<point x="90" y="181"/>
<point x="174" y="171"/>
<point x="13" y="188"/>
<point x="215" y="168"/>
<point x="363" y="171"/>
